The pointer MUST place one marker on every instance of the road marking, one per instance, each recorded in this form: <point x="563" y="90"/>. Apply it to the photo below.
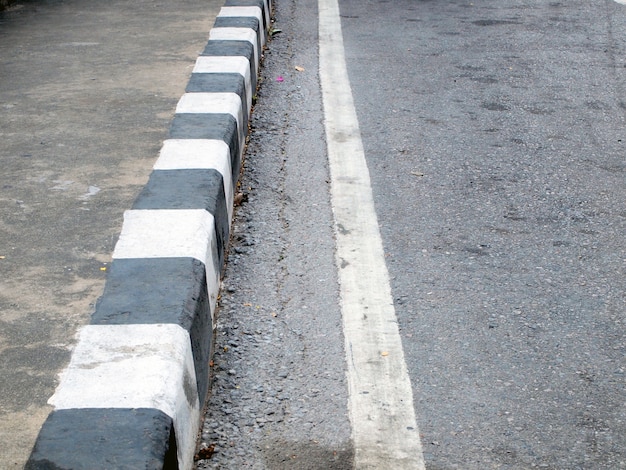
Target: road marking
<point x="384" y="428"/>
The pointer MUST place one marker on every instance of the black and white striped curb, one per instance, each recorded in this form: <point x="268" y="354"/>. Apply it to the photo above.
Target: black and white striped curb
<point x="133" y="392"/>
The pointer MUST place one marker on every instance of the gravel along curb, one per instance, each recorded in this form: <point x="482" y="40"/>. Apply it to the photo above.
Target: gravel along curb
<point x="133" y="392"/>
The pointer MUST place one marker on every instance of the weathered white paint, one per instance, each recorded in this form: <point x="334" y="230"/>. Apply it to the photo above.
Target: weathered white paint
<point x="255" y="12"/>
<point x="227" y="64"/>
<point x="191" y="154"/>
<point x="167" y="233"/>
<point x="266" y="11"/>
<point x="135" y="366"/>
<point x="215" y="103"/>
<point x="171" y="233"/>
<point x="238" y="34"/>
<point x="224" y="103"/>
<point x="381" y="410"/>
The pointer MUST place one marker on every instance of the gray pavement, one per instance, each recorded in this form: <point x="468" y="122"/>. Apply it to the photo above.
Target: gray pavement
<point x="494" y="134"/>
<point x="495" y="139"/>
<point x="87" y="92"/>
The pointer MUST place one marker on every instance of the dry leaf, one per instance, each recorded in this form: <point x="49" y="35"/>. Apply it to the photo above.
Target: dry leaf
<point x="205" y="452"/>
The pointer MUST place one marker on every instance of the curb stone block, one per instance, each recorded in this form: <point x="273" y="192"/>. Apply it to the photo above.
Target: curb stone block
<point x="138" y="434"/>
<point x="133" y="392"/>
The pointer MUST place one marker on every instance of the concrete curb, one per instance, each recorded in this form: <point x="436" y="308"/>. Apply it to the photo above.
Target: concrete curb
<point x="133" y="392"/>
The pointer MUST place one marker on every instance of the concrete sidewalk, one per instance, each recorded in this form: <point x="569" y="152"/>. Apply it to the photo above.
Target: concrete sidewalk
<point x="88" y="91"/>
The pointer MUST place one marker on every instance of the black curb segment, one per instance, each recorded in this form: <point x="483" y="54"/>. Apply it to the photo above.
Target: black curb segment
<point x="239" y="22"/>
<point x="220" y="83"/>
<point x="109" y="438"/>
<point x="190" y="189"/>
<point x="262" y="4"/>
<point x="210" y="126"/>
<point x="141" y="290"/>
<point x="168" y="290"/>
<point x="223" y="48"/>
<point x="5" y="4"/>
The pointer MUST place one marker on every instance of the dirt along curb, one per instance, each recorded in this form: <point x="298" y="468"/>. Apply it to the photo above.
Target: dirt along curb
<point x="4" y="4"/>
<point x="133" y="393"/>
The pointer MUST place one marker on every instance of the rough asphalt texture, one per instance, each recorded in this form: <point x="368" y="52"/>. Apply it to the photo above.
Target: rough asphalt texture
<point x="496" y="146"/>
<point x="508" y="254"/>
<point x="279" y="396"/>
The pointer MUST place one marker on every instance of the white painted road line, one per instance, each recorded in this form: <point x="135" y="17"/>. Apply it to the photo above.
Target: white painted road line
<point x="381" y="409"/>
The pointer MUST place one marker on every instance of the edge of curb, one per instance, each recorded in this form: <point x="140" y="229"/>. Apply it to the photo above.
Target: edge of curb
<point x="133" y="393"/>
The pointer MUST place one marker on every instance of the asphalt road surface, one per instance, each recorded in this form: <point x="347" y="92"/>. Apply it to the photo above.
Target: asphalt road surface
<point x="494" y="136"/>
<point x="494" y="133"/>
